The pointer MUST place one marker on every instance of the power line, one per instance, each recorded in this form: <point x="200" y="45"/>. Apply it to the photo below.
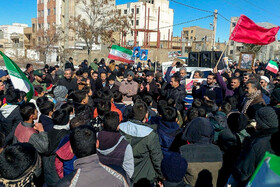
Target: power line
<point x="185" y="22"/>
<point x="199" y="9"/>
<point x="224" y="17"/>
<point x="191" y="6"/>
<point x="252" y="4"/>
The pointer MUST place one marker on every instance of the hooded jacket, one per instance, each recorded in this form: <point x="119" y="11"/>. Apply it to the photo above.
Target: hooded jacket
<point x="25" y="133"/>
<point x="114" y="150"/>
<point x="10" y="118"/>
<point x="89" y="171"/>
<point x="201" y="154"/>
<point x="146" y="149"/>
<point x="167" y="132"/>
<point x="252" y="154"/>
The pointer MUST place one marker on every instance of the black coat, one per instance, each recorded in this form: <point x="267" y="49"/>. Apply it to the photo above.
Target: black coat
<point x="70" y="84"/>
<point x="252" y="154"/>
<point x="178" y="94"/>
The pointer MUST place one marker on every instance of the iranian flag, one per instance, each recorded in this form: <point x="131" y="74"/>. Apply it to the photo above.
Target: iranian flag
<point x="121" y="54"/>
<point x="272" y="66"/>
<point x="18" y="78"/>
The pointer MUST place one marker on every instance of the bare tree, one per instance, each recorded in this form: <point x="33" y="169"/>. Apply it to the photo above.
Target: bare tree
<point x="47" y="40"/>
<point x="98" y="20"/>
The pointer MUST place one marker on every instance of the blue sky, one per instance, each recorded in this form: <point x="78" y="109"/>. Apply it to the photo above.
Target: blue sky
<point x="21" y="11"/>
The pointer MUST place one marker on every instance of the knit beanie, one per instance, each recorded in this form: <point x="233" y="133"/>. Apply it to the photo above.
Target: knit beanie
<point x="266" y="118"/>
<point x="188" y="101"/>
<point x="130" y="73"/>
<point x="60" y="92"/>
<point x="173" y="167"/>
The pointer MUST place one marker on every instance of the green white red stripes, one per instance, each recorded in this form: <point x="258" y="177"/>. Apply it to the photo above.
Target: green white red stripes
<point x="272" y="66"/>
<point x="120" y="54"/>
<point x="18" y="78"/>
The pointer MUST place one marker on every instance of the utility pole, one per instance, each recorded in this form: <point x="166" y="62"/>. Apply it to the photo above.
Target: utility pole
<point x="214" y="28"/>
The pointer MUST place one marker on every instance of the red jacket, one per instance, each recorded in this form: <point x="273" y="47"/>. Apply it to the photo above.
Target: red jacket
<point x="113" y="109"/>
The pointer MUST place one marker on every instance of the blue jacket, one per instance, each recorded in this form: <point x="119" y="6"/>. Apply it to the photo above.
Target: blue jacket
<point x="166" y="131"/>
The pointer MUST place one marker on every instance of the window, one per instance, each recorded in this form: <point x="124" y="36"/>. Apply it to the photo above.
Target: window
<point x="231" y="52"/>
<point x="54" y="11"/>
<point x="137" y="22"/>
<point x="132" y="22"/>
<point x="191" y="37"/>
<point x="125" y="11"/>
<point x="49" y="12"/>
<point x="231" y="42"/>
<point x="42" y="13"/>
<point x="39" y="39"/>
<point x="233" y="24"/>
<point x="39" y="26"/>
<point x="137" y="10"/>
<point x="131" y="33"/>
<point x="191" y="31"/>
<point x="33" y="27"/>
<point x="132" y="10"/>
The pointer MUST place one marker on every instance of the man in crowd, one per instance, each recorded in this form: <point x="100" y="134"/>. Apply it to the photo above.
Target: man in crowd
<point x="67" y="81"/>
<point x="211" y="86"/>
<point x="29" y="72"/>
<point x="129" y="87"/>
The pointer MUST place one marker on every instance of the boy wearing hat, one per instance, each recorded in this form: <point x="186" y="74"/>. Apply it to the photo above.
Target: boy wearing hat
<point x="111" y="84"/>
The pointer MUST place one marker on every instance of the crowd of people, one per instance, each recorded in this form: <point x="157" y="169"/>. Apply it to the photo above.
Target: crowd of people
<point x="130" y="125"/>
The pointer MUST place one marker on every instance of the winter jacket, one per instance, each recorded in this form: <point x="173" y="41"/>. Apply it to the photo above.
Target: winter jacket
<point x="178" y="94"/>
<point x="114" y="88"/>
<point x="25" y="133"/>
<point x="219" y="122"/>
<point x="70" y="84"/>
<point x="114" y="150"/>
<point x="89" y="171"/>
<point x="204" y="158"/>
<point x="64" y="161"/>
<point x="46" y="122"/>
<point x="113" y="109"/>
<point x="200" y="93"/>
<point x="146" y="149"/>
<point x="10" y="118"/>
<point x="128" y="89"/>
<point x="238" y="92"/>
<point x="167" y="132"/>
<point x="120" y="106"/>
<point x="55" y="136"/>
<point x="252" y="154"/>
<point x="153" y="91"/>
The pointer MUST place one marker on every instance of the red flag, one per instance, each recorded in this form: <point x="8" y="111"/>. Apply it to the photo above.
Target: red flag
<point x="246" y="31"/>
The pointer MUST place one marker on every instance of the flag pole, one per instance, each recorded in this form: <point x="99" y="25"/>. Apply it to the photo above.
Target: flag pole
<point x="222" y="54"/>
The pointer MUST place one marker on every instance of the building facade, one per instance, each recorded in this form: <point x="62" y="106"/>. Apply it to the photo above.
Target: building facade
<point x="197" y="38"/>
<point x="12" y="36"/>
<point x="148" y="9"/>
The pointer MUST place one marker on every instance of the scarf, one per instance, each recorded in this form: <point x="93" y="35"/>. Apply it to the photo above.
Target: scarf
<point x="250" y="98"/>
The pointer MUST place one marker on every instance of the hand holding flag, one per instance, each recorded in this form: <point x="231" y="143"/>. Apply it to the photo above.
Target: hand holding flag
<point x="18" y="78"/>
